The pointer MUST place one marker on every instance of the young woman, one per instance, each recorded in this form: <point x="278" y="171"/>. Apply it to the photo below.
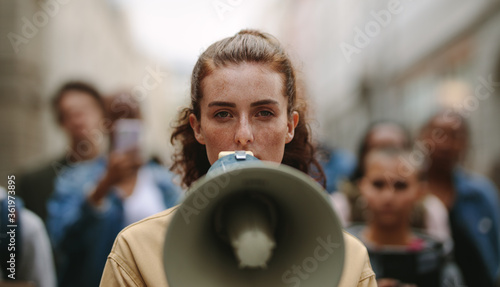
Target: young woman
<point x="243" y="97"/>
<point x="398" y="252"/>
<point x="429" y="213"/>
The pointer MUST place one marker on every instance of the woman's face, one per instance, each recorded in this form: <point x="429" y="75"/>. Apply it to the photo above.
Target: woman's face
<point x="386" y="135"/>
<point x="243" y="108"/>
<point x="389" y="193"/>
<point x="81" y="114"/>
<point x="447" y="140"/>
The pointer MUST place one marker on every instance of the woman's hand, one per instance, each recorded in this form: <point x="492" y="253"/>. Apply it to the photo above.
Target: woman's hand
<point x="122" y="168"/>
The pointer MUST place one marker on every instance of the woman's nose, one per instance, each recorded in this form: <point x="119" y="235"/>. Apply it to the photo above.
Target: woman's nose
<point x="388" y="193"/>
<point x="243" y="134"/>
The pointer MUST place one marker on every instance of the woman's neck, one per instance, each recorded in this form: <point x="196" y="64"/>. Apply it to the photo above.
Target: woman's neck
<point x="440" y="184"/>
<point x="441" y="171"/>
<point x="83" y="152"/>
<point x="437" y="175"/>
<point x="394" y="235"/>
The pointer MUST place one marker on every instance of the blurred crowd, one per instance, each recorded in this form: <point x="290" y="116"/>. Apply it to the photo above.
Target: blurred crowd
<point x="423" y="217"/>
<point x="88" y="195"/>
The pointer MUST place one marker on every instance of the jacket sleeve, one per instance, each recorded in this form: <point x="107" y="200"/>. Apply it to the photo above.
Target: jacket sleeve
<point x="368" y="282"/>
<point x="367" y="277"/>
<point x="73" y="223"/>
<point x="357" y="268"/>
<point x="116" y="274"/>
<point x="121" y="268"/>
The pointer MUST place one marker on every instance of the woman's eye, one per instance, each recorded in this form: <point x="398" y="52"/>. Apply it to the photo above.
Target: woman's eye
<point x="378" y="184"/>
<point x="222" y="114"/>
<point x="264" y="114"/>
<point x="400" y="185"/>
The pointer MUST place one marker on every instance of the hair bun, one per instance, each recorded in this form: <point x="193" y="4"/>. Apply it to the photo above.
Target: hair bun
<point x="252" y="32"/>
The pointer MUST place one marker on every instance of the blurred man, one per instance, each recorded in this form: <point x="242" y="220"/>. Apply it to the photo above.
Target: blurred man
<point x="79" y="110"/>
<point x="94" y="200"/>
<point x="471" y="200"/>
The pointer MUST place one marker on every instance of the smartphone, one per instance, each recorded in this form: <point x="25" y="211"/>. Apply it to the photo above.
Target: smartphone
<point x="127" y="134"/>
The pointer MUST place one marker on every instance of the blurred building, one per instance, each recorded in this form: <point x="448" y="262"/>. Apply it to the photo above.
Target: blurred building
<point x="44" y="44"/>
<point x="400" y="60"/>
<point x="359" y="61"/>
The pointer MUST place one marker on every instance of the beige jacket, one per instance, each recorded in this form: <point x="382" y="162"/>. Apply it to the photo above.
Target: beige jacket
<point x="136" y="258"/>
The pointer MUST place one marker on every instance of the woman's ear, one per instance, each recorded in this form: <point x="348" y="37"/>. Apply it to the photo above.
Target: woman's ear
<point x="292" y="124"/>
<point x="195" y="125"/>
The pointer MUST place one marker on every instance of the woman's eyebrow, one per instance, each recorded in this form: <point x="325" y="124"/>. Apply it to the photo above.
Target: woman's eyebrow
<point x="222" y="104"/>
<point x="264" y="102"/>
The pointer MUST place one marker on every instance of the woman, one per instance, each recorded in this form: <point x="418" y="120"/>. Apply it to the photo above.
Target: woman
<point x="243" y="97"/>
<point x="393" y="244"/>
<point x="429" y="213"/>
<point x="379" y="135"/>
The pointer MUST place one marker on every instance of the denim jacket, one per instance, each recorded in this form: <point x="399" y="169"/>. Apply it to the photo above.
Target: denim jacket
<point x="475" y="216"/>
<point x="83" y="235"/>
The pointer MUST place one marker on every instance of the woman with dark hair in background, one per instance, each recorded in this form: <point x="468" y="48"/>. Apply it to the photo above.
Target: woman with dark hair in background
<point x="428" y="213"/>
<point x="399" y="254"/>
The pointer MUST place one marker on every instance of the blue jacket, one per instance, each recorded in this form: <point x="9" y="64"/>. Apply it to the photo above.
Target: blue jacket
<point x="340" y="166"/>
<point x="475" y="222"/>
<point x="83" y="235"/>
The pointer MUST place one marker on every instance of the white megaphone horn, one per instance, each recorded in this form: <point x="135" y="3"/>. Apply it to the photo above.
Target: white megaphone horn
<point x="253" y="223"/>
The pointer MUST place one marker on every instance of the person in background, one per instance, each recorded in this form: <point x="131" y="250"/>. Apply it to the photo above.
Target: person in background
<point x="79" y="110"/>
<point x="338" y="166"/>
<point x="494" y="172"/>
<point x="471" y="200"/>
<point x="398" y="253"/>
<point x="104" y="196"/>
<point x="33" y="253"/>
<point x="379" y="134"/>
<point x="429" y="214"/>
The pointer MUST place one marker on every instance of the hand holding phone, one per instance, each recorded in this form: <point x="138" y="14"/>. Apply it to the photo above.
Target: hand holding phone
<point x="127" y="134"/>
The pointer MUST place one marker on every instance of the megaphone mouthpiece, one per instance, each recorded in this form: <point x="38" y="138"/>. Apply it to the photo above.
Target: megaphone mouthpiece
<point x="253" y="248"/>
<point x="239" y="154"/>
<point x="250" y="223"/>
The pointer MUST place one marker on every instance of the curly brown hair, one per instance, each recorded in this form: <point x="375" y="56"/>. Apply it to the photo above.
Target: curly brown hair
<point x="248" y="46"/>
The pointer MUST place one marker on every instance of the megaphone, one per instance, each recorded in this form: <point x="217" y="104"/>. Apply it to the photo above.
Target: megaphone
<point x="253" y="223"/>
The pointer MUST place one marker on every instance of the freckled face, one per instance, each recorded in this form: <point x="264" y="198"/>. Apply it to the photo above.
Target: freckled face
<point x="244" y="108"/>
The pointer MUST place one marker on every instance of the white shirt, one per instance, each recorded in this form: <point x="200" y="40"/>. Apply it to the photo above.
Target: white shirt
<point x="146" y="200"/>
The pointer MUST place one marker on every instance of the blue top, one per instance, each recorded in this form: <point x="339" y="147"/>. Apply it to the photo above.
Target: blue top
<point x="475" y="224"/>
<point x="340" y="166"/>
<point x="83" y="235"/>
